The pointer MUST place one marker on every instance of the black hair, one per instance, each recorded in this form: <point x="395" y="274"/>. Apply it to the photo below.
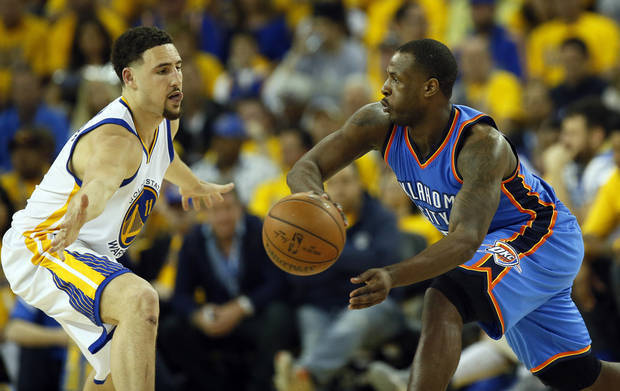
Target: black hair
<point x="132" y="43"/>
<point x="434" y="58"/>
<point x="577" y="43"/>
<point x="77" y="56"/>
<point x="593" y="110"/>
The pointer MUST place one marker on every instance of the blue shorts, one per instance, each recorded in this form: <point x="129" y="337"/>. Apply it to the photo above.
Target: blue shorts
<point x="519" y="285"/>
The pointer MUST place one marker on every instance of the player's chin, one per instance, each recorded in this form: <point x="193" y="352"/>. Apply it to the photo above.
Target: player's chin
<point x="172" y="113"/>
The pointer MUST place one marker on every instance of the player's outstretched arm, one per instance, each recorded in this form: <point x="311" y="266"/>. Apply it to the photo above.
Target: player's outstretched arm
<point x="189" y="185"/>
<point x="363" y="131"/>
<point x="102" y="159"/>
<point x="486" y="158"/>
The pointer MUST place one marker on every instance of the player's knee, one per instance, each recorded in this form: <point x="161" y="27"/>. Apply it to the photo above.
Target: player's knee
<point x="571" y="375"/>
<point x="145" y="304"/>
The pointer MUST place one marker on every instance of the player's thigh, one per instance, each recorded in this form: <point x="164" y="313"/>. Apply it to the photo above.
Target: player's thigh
<point x="126" y="296"/>
<point x="554" y="344"/>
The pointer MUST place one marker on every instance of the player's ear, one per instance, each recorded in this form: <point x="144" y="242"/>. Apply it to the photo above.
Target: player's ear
<point x="128" y="77"/>
<point x="431" y="87"/>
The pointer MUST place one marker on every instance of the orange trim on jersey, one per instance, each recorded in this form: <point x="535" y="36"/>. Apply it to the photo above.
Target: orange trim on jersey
<point x="490" y="284"/>
<point x="533" y="214"/>
<point x="389" y="145"/>
<point x="458" y="136"/>
<point x="558" y="356"/>
<point x="441" y="147"/>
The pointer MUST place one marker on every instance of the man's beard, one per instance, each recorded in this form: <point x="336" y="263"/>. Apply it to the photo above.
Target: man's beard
<point x="171" y="115"/>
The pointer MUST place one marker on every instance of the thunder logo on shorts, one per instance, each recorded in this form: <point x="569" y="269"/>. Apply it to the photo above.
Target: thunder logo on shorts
<point x="136" y="216"/>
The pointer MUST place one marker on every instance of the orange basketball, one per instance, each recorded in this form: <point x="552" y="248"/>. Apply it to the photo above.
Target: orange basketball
<point x="303" y="234"/>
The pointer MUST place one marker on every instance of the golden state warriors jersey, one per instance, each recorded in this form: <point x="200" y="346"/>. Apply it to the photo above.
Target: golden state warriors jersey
<point x="127" y="210"/>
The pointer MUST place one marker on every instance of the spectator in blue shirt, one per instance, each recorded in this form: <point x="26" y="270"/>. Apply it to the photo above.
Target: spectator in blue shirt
<point x="504" y="50"/>
<point x="42" y="345"/>
<point x="28" y="109"/>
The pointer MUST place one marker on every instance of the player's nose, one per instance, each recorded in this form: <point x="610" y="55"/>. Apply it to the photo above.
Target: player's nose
<point x="385" y="89"/>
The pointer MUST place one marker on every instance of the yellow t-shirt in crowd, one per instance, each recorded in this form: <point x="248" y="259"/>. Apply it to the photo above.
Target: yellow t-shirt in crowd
<point x="26" y="42"/>
<point x="500" y="97"/>
<point x="604" y="215"/>
<point x="418" y="224"/>
<point x="63" y="30"/>
<point x="599" y="32"/>
<point x="17" y="189"/>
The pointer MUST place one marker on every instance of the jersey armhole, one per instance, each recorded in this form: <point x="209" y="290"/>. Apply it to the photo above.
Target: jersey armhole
<point x="387" y="142"/>
<point x="115" y="121"/>
<point x="170" y="143"/>
<point x="464" y="133"/>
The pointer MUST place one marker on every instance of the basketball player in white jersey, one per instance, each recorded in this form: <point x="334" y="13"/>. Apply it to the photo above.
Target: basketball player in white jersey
<point x="60" y="253"/>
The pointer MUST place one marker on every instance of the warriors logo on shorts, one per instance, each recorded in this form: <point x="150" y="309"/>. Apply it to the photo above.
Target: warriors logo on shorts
<point x="136" y="216"/>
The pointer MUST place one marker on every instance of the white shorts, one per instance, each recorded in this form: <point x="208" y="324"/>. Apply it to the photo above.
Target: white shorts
<point x="68" y="291"/>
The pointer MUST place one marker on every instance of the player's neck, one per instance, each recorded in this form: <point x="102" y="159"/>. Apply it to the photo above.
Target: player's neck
<point x="429" y="132"/>
<point x="145" y="122"/>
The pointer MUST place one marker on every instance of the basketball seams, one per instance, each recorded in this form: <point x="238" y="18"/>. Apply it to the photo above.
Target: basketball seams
<point x="342" y="234"/>
<point x="305" y="230"/>
<point x="274" y="245"/>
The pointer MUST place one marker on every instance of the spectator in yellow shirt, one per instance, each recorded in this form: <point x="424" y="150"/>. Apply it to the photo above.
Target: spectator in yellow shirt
<point x="599" y="32"/>
<point x="482" y="86"/>
<point x="62" y="33"/>
<point x="294" y="143"/>
<point x="22" y="40"/>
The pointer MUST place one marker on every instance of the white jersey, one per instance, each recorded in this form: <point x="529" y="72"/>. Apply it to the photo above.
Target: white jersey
<point x="126" y="212"/>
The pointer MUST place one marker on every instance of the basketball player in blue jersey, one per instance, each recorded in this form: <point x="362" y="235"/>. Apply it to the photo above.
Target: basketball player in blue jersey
<point x="60" y="253"/>
<point x="511" y="249"/>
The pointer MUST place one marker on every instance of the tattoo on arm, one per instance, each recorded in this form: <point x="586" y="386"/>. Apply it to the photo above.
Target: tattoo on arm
<point x="482" y="163"/>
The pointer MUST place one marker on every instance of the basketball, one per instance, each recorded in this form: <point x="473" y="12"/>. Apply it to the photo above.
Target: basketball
<point x="303" y="234"/>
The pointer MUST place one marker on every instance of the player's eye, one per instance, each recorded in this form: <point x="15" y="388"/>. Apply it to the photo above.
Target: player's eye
<point x="162" y="71"/>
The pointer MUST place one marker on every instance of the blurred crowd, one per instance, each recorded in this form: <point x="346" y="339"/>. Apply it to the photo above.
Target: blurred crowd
<point x="264" y="80"/>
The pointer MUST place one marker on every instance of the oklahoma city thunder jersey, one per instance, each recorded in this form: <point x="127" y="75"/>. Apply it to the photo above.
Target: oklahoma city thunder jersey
<point x="432" y="184"/>
<point x="126" y="212"/>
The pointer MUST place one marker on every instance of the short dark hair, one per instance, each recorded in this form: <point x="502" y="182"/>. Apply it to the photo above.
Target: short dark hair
<point x="132" y="43"/>
<point x="592" y="110"/>
<point x="434" y="58"/>
<point x="577" y="43"/>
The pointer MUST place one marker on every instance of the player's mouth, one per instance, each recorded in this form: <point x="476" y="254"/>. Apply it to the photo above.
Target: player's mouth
<point x="386" y="106"/>
<point x="176" y="97"/>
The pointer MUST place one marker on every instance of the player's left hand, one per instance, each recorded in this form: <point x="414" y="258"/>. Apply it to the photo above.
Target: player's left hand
<point x="204" y="192"/>
<point x="378" y="284"/>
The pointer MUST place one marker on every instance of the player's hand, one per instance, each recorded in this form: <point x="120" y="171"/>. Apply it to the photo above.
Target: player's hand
<point x="378" y="284"/>
<point x="204" y="192"/>
<point x="68" y="230"/>
<point x="326" y="197"/>
<point x="225" y="319"/>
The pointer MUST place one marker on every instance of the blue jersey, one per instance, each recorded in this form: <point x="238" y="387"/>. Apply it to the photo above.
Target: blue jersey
<point x="529" y="257"/>
<point x="433" y="184"/>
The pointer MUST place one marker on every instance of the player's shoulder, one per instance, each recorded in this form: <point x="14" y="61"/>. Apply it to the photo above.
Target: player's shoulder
<point x="370" y="122"/>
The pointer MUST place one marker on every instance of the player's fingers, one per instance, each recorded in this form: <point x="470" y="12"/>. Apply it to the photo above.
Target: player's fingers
<point x="196" y="202"/>
<point x="365" y="290"/>
<point x="208" y="201"/>
<point x="185" y="203"/>
<point x="367" y="275"/>
<point x="371" y="298"/>
<point x="224" y="188"/>
<point x="219" y="197"/>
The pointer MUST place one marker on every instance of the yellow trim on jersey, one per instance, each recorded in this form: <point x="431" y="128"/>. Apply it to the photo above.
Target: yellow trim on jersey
<point x="148" y="150"/>
<point x="71" y="270"/>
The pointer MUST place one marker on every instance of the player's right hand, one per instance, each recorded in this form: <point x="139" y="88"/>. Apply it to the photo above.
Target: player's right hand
<point x="326" y="197"/>
<point x="69" y="229"/>
<point x="378" y="285"/>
